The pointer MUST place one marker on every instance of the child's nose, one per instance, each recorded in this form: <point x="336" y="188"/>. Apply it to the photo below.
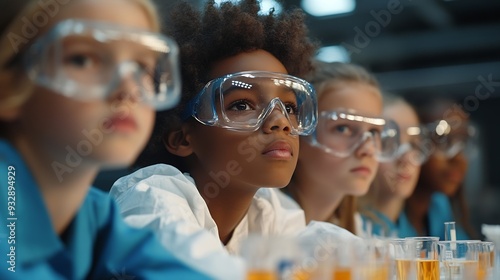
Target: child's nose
<point x="128" y="87"/>
<point x="276" y="121"/>
<point x="367" y="147"/>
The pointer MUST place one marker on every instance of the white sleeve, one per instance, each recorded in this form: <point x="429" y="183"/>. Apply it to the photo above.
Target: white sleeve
<point x="326" y="231"/>
<point x="290" y="214"/>
<point x="164" y="200"/>
<point x="276" y="213"/>
<point x="358" y="226"/>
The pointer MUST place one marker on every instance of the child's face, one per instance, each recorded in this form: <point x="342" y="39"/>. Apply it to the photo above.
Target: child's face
<point x="399" y="178"/>
<point x="264" y="158"/>
<point x="351" y="175"/>
<point x="108" y="132"/>
<point x="444" y="174"/>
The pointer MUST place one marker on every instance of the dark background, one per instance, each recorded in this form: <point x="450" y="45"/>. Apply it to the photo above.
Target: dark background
<point x="430" y="48"/>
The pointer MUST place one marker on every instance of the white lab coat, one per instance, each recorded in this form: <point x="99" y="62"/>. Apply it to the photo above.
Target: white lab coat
<point x="358" y="225"/>
<point x="358" y="220"/>
<point x="162" y="198"/>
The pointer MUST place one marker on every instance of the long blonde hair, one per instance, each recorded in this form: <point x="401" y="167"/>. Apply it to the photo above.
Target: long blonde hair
<point x="15" y="85"/>
<point x="325" y="76"/>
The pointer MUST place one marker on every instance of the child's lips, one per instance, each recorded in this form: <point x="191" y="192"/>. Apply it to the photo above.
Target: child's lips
<point x="279" y="150"/>
<point x="122" y="124"/>
<point x="404" y="177"/>
<point x="361" y="170"/>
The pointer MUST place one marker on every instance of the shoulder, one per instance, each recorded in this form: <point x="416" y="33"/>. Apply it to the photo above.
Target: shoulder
<point x="98" y="199"/>
<point x="160" y="192"/>
<point x="405" y="228"/>
<point x="376" y="223"/>
<point x="326" y="230"/>
<point x="440" y="200"/>
<point x="97" y="210"/>
<point x="160" y="176"/>
<point x="277" y="210"/>
<point x="440" y="207"/>
<point x="156" y="182"/>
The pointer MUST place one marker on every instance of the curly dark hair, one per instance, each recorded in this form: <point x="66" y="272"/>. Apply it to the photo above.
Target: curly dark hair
<point x="220" y="32"/>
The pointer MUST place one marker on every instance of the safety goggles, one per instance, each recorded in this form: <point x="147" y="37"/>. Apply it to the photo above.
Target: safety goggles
<point x="243" y="100"/>
<point x="83" y="60"/>
<point x="340" y="133"/>
<point x="450" y="138"/>
<point x="418" y="147"/>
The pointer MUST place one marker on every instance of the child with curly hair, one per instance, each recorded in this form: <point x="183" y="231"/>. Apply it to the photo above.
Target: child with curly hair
<point x="236" y="132"/>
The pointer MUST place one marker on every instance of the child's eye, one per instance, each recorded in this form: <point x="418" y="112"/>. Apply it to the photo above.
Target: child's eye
<point x="291" y="108"/>
<point x="147" y="73"/>
<point x="80" y="60"/>
<point x="343" y="129"/>
<point x="240" y="105"/>
<point x="83" y="60"/>
<point x="147" y="67"/>
<point x="375" y="131"/>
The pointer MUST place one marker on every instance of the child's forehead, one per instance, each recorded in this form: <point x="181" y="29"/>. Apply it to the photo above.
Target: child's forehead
<point x="257" y="60"/>
<point x="351" y="95"/>
<point x="130" y="13"/>
<point x="402" y="112"/>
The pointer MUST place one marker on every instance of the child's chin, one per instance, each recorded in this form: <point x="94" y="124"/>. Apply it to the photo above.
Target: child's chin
<point x="277" y="184"/>
<point x="117" y="161"/>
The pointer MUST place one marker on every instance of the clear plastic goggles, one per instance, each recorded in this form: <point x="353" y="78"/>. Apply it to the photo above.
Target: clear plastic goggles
<point x="340" y="134"/>
<point x="81" y="60"/>
<point x="242" y="101"/>
<point x="418" y="147"/>
<point x="448" y="138"/>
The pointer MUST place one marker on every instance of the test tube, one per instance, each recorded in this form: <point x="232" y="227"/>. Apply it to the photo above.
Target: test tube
<point x="450" y="234"/>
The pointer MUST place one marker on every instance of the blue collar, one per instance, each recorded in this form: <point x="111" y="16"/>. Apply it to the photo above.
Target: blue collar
<point x="36" y="239"/>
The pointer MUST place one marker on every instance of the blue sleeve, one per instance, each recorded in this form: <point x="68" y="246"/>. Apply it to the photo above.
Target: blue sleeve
<point x="440" y="211"/>
<point x="461" y="234"/>
<point x="405" y="228"/>
<point x="122" y="251"/>
<point x="379" y="223"/>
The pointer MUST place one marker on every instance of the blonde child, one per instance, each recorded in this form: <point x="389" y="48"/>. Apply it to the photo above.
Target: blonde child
<point x="340" y="159"/>
<point x="79" y="81"/>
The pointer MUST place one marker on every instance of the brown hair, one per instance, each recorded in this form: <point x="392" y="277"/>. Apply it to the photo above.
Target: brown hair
<point x="345" y="213"/>
<point x="427" y="113"/>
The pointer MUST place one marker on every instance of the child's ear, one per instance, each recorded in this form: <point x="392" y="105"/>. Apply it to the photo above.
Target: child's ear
<point x="177" y="142"/>
<point x="15" y="92"/>
<point x="10" y="109"/>
<point x="9" y="114"/>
